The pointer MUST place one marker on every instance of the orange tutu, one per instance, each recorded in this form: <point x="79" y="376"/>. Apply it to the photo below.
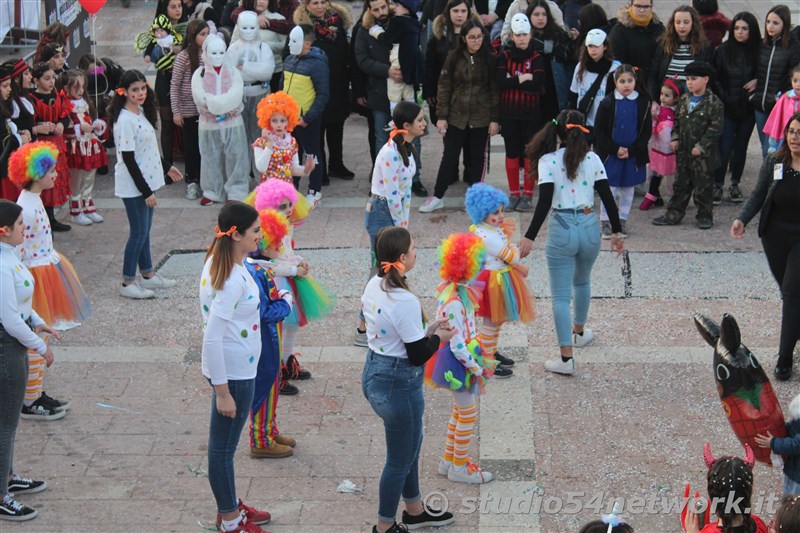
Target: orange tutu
<point x="506" y="296"/>
<point x="58" y="296"/>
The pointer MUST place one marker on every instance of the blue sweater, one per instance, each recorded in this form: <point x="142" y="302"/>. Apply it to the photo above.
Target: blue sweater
<point x="790" y="445"/>
<point x="307" y="80"/>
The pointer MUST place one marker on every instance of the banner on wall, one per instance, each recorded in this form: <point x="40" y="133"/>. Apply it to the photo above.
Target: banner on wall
<point x="28" y="13"/>
<point x="70" y="13"/>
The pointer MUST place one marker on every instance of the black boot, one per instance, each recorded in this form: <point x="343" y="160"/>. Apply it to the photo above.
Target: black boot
<point x="55" y="225"/>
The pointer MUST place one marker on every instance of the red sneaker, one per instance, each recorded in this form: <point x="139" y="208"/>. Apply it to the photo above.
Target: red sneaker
<point x="252" y="515"/>
<point x="246" y="526"/>
<point x="206" y="201"/>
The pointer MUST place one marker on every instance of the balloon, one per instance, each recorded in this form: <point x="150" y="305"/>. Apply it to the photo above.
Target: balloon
<point x="92" y="6"/>
<point x="747" y="397"/>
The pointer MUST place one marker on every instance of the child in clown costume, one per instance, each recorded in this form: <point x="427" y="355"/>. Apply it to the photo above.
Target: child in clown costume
<point x="275" y="305"/>
<point x="217" y="89"/>
<point x="58" y="296"/>
<point x="460" y="365"/>
<point x="276" y="150"/>
<point x="506" y="296"/>
<point x="311" y="300"/>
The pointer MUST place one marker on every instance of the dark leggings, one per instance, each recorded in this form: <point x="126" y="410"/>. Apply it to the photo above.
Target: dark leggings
<point x="781" y="244"/>
<point x="454" y="140"/>
<point x="167" y="132"/>
<point x="334" y="133"/>
<point x="191" y="149"/>
<point x="13" y="377"/>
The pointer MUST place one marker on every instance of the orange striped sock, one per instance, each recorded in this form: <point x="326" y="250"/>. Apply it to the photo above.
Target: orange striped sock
<point x="451" y="432"/>
<point x="33" y="389"/>
<point x="467" y="415"/>
<point x="489" y="333"/>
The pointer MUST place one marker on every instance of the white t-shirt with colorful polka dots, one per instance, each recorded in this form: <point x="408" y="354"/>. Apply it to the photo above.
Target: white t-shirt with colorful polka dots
<point x="393" y="317"/>
<point x="231" y="324"/>
<point x="569" y="194"/>
<point x="134" y="133"/>
<point x="392" y="180"/>
<point x="37" y="241"/>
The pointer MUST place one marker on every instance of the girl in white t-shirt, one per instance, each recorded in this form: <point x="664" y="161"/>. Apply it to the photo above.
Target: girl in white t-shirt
<point x="568" y="179"/>
<point x="595" y="61"/>
<point x="139" y="172"/>
<point x="399" y="347"/>
<point x="229" y="301"/>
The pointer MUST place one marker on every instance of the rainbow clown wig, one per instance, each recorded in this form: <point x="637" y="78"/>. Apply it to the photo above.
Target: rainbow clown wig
<point x="461" y="257"/>
<point x="483" y="200"/>
<point x="274" y="227"/>
<point x="278" y="102"/>
<point x="269" y="195"/>
<point x="31" y="162"/>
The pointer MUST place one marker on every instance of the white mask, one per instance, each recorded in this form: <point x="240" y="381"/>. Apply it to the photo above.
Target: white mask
<point x="248" y="26"/>
<point x="214" y="49"/>
<point x="296" y="41"/>
<point x="166" y="42"/>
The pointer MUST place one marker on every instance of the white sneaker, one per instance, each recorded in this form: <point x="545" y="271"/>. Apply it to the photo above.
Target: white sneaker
<point x="444" y="467"/>
<point x="191" y="191"/>
<point x="431" y="205"/>
<point x="95" y="217"/>
<point x="314" y="198"/>
<point x="158" y="282"/>
<point x="469" y="473"/>
<point x="135" y="292"/>
<point x="557" y="366"/>
<point x="579" y="341"/>
<point x="81" y="219"/>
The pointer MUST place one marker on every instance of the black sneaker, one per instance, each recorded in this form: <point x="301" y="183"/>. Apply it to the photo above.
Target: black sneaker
<point x="38" y="410"/>
<point x="295" y="371"/>
<point x="503" y="360"/>
<point x="21" y="485"/>
<point x="287" y="389"/>
<point x="502" y="372"/>
<point x="663" y="221"/>
<point x="736" y="194"/>
<point x="15" y="512"/>
<point x="59" y="405"/>
<point x="341" y="172"/>
<point x="705" y="223"/>
<point x="55" y="225"/>
<point x="396" y="528"/>
<point x="430" y="517"/>
<point x="717" y="195"/>
<point x="419" y="189"/>
<point x="783" y="374"/>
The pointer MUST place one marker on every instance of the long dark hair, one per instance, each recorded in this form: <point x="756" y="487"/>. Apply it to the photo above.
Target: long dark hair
<point x="551" y="29"/>
<point x="590" y="17"/>
<point x="731" y="480"/>
<point x="483" y="55"/>
<point x="786" y="16"/>
<point x="450" y="34"/>
<point x="70" y="77"/>
<point x="232" y="214"/>
<point x="5" y="105"/>
<point x="584" y="58"/>
<point x="405" y="112"/>
<point x="193" y="29"/>
<point x="784" y="155"/>
<point x="161" y="9"/>
<point x="753" y="41"/>
<point x="573" y="139"/>
<point x="150" y="106"/>
<point x="17" y="90"/>
<point x="39" y="70"/>
<point x="787" y="518"/>
<point x="9" y="213"/>
<point x="697" y="37"/>
<point x="390" y="243"/>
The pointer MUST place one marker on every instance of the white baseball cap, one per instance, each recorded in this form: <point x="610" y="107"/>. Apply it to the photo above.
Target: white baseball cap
<point x="520" y="24"/>
<point x="595" y="37"/>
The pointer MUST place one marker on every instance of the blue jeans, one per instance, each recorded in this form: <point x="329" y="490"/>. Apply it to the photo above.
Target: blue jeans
<point x="382" y="137"/>
<point x="393" y="387"/>
<point x="733" y="147"/>
<point x="375" y="220"/>
<point x="223" y="438"/>
<point x="137" y="250"/>
<point x="761" y="120"/>
<point x="573" y="243"/>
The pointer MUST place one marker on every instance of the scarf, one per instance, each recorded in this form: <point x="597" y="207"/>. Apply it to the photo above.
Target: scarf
<point x="326" y="28"/>
<point x="598" y="67"/>
<point x="644" y="22"/>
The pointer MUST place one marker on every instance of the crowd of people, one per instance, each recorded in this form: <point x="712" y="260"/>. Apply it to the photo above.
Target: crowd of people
<point x="253" y="96"/>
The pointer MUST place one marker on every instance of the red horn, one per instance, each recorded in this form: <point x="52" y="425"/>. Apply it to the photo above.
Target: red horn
<point x="749" y="458"/>
<point x="708" y="457"/>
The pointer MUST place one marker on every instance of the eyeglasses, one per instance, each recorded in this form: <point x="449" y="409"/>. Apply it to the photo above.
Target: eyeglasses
<point x="641" y="7"/>
<point x="475" y="37"/>
<point x="792" y="133"/>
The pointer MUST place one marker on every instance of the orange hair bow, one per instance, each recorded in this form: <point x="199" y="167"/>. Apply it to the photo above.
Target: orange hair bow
<point x="224" y="233"/>
<point x="120" y="91"/>
<point x="397" y="265"/>
<point x="570" y="126"/>
<point x="396" y="132"/>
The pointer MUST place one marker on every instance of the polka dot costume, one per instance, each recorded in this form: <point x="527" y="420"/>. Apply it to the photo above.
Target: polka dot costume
<point x="569" y="194"/>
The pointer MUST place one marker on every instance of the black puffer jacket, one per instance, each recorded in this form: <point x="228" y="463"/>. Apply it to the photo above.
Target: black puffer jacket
<point x="772" y="72"/>
<point x="372" y="58"/>
<point x="660" y="64"/>
<point x="734" y="70"/>
<point x="635" y="45"/>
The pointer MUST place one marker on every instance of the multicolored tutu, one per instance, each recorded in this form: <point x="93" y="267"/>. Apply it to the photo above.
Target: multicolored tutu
<point x="311" y="300"/>
<point x="506" y="296"/>
<point x="444" y="371"/>
<point x="58" y="295"/>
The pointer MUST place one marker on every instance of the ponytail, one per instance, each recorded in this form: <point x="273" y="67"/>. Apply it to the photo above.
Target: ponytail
<point x="118" y="101"/>
<point x="390" y="243"/>
<point x="233" y="217"/>
<point x="573" y="139"/>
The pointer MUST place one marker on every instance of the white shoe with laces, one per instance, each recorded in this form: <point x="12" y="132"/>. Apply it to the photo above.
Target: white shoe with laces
<point x="157" y="281"/>
<point x="95" y="217"/>
<point x="135" y="292"/>
<point x="579" y="340"/>
<point x="192" y="192"/>
<point x="81" y="219"/>
<point x="431" y="204"/>
<point x="557" y="366"/>
<point x="469" y="473"/>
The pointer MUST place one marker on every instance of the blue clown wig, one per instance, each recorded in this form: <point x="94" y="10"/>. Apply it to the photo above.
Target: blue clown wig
<point x="483" y="200"/>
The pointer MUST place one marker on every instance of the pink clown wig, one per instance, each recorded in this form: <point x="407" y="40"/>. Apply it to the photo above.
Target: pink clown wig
<point x="270" y="193"/>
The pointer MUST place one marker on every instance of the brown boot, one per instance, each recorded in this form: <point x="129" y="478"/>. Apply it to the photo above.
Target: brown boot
<point x="276" y="451"/>
<point x="285" y="440"/>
